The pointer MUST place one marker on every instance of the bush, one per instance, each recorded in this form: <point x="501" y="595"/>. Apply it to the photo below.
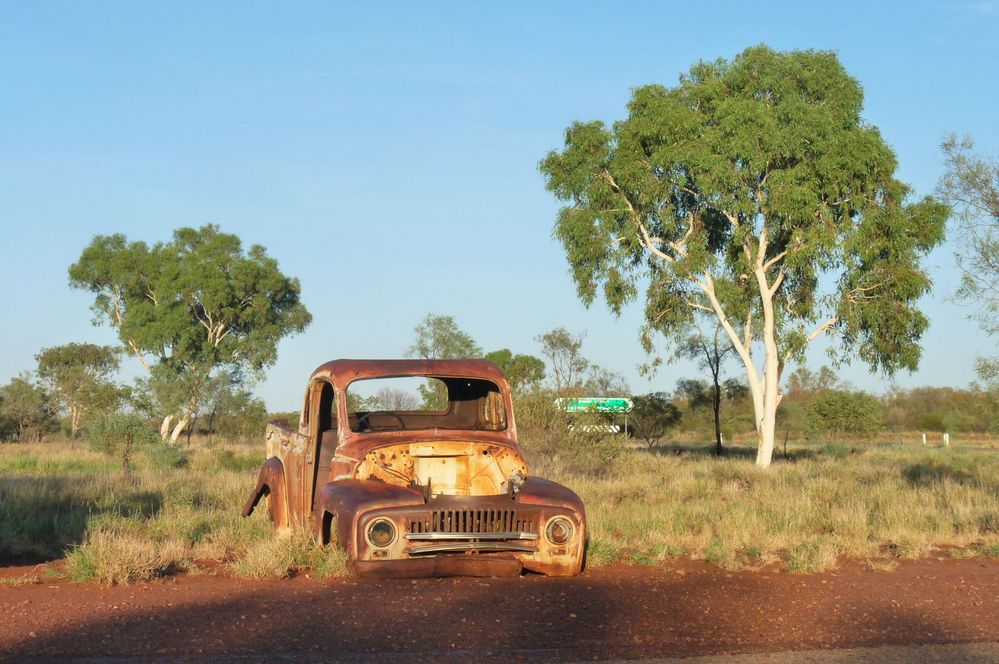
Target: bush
<point x="121" y="435"/>
<point x="162" y="456"/>
<point x="836" y="450"/>
<point x="578" y="442"/>
<point x="843" y="412"/>
<point x="654" y="416"/>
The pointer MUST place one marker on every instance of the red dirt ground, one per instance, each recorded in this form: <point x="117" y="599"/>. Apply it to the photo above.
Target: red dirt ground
<point x="684" y="609"/>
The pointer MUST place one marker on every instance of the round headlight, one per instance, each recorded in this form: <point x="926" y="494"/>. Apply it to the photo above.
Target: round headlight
<point x="381" y="532"/>
<point x="559" y="530"/>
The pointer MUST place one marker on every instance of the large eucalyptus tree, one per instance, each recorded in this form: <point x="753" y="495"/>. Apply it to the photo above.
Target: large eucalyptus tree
<point x="191" y="308"/>
<point x="752" y="192"/>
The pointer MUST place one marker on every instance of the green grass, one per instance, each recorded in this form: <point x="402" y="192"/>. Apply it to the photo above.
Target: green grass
<point x="823" y="505"/>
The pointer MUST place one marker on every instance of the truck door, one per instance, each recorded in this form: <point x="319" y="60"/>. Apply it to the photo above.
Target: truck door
<point x="322" y="438"/>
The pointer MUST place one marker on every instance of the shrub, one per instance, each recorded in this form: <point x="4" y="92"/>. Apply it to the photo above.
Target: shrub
<point x="121" y="435"/>
<point x="840" y="411"/>
<point x="578" y="442"/>
<point x="163" y="456"/>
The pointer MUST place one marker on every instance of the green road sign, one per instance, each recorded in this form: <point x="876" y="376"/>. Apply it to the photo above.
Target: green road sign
<point x="596" y="405"/>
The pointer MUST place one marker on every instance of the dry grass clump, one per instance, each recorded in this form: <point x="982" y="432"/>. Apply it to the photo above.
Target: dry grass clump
<point x="122" y="558"/>
<point x="23" y="580"/>
<point x="281" y="556"/>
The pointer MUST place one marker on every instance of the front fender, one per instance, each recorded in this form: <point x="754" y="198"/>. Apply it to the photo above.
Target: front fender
<point x="539" y="491"/>
<point x="271" y="483"/>
<point x="348" y="499"/>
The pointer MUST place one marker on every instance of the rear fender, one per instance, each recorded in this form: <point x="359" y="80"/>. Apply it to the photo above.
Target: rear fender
<point x="271" y="483"/>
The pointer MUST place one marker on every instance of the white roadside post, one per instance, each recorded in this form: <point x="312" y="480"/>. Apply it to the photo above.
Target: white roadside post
<point x="946" y="440"/>
<point x="924" y="440"/>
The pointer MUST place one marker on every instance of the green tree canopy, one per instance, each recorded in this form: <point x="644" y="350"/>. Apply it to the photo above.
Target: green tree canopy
<point x="525" y="372"/>
<point x="26" y="409"/>
<point x="971" y="185"/>
<point x="78" y="377"/>
<point x="193" y="305"/>
<point x="654" y="416"/>
<point x="439" y="337"/>
<point x="755" y="193"/>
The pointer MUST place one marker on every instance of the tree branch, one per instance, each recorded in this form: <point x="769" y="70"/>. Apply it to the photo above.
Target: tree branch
<point x="647" y="240"/>
<point x="821" y="328"/>
<point x="777" y="282"/>
<point x="701" y="307"/>
<point x="770" y="263"/>
<point x="743" y="350"/>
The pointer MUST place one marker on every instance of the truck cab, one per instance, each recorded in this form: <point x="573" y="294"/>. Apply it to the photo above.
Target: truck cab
<point x="438" y="487"/>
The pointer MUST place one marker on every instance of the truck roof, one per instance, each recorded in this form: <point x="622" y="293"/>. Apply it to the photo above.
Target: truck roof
<point x="344" y="371"/>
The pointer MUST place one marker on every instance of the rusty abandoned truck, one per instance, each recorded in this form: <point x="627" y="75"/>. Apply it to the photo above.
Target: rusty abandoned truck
<point x="413" y="492"/>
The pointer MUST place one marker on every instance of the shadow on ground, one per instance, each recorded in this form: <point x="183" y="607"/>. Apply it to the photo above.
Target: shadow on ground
<point x="606" y="614"/>
<point x="43" y="515"/>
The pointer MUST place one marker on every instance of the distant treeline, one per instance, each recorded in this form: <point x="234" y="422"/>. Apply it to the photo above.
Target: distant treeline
<point x="817" y="405"/>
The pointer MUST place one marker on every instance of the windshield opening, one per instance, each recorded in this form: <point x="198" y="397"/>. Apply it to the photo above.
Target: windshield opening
<point x="425" y="402"/>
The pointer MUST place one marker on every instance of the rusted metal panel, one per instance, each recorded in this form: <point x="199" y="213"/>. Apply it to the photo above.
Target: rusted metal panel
<point x="271" y="483"/>
<point x="424" y="502"/>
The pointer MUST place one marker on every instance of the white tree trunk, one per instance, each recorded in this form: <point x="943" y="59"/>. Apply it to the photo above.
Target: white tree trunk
<point x="165" y="427"/>
<point x="767" y="426"/>
<point x="179" y="429"/>
<point x="767" y="422"/>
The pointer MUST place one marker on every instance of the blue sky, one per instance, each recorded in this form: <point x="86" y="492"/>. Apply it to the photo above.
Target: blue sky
<point x="387" y="155"/>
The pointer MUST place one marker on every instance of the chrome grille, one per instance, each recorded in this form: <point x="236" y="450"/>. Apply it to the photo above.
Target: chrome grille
<point x="471" y="521"/>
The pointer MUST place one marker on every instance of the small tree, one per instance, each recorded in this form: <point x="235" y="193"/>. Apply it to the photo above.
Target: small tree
<point x="28" y="408"/>
<point x="232" y="410"/>
<point x="563" y="352"/>
<point x="240" y="416"/>
<point x="698" y="395"/>
<point x="654" y="416"/>
<point x="440" y="338"/>
<point x="806" y="383"/>
<point x="78" y="376"/>
<point x="121" y="436"/>
<point x="710" y="352"/>
<point x="390" y="398"/>
<point x="525" y="372"/>
<point x="753" y="192"/>
<point x="601" y="382"/>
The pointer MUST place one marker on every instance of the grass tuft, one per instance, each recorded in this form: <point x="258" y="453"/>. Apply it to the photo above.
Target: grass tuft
<point x="117" y="559"/>
<point x="23" y="580"/>
<point x="282" y="556"/>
